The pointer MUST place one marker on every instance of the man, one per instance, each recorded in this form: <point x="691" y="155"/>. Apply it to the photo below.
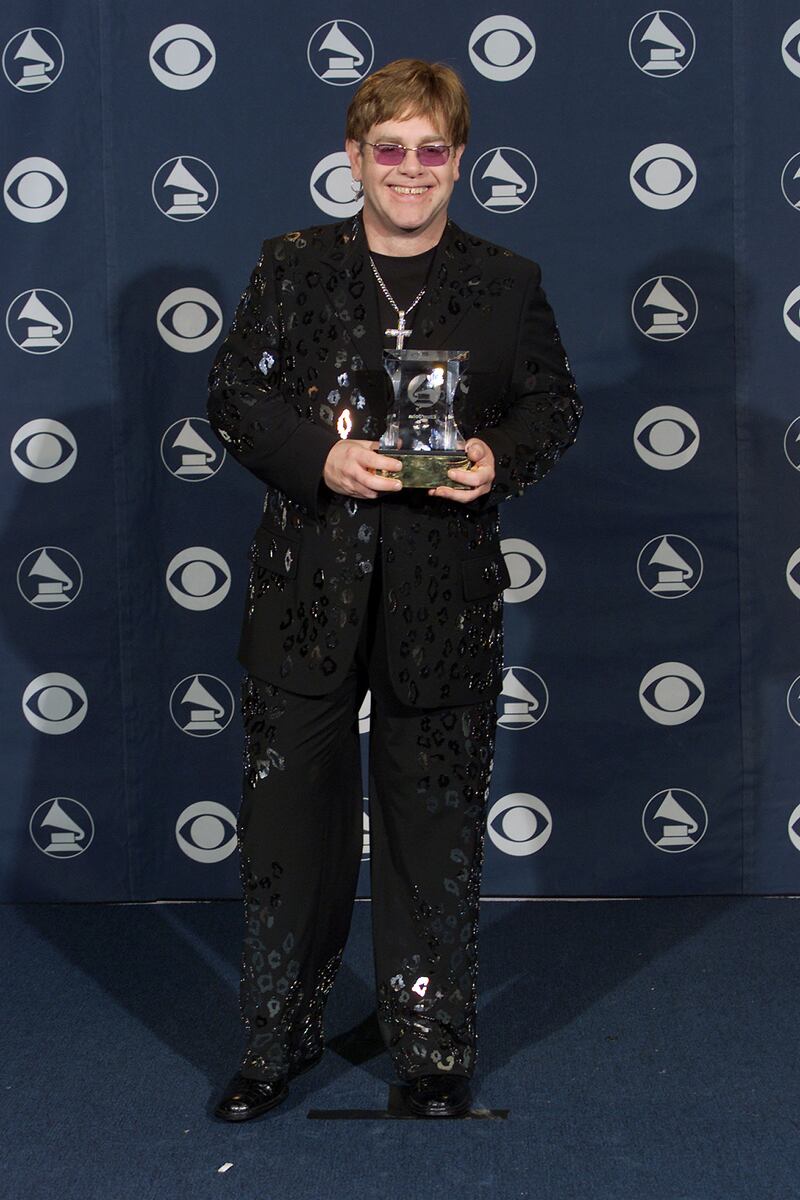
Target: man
<point x="358" y="582"/>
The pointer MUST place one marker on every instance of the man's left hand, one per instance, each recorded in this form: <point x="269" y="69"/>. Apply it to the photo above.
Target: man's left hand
<point x="479" y="476"/>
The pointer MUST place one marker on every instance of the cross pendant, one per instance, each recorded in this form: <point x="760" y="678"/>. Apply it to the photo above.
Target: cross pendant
<point x="401" y="333"/>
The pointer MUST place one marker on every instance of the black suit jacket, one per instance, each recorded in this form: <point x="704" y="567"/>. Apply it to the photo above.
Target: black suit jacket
<point x="305" y="344"/>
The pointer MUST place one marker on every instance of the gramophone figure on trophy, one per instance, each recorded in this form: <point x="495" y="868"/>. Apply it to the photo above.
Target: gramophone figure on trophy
<point x="421" y="429"/>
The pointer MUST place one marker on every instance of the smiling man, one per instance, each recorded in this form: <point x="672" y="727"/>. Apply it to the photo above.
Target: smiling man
<point x="360" y="584"/>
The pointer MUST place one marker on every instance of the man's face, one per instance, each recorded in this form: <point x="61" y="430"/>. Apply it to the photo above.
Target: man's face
<point x="406" y="199"/>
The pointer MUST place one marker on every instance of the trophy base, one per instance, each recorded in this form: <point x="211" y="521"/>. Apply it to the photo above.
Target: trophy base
<point x="425" y="470"/>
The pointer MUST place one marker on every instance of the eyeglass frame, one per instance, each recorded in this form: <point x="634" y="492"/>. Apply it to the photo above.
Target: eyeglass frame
<point x="431" y="145"/>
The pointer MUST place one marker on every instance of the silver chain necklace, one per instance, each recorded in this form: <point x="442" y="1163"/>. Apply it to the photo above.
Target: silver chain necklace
<point x="401" y="333"/>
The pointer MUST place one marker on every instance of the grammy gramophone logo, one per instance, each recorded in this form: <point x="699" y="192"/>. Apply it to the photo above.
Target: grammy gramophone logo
<point x="201" y="705"/>
<point x="523" y="699"/>
<point x="187" y="450"/>
<point x="669" y="566"/>
<point x="33" y="59"/>
<point x="664" y="308"/>
<point x="39" y="321"/>
<point x="674" y="820"/>
<point x="185" y="188"/>
<point x="503" y="179"/>
<point x="61" y="827"/>
<point x="662" y="44"/>
<point x="49" y="577"/>
<point x="340" y="53"/>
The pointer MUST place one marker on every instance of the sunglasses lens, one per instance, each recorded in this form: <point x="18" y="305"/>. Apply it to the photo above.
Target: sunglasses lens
<point x="433" y="156"/>
<point x="388" y="155"/>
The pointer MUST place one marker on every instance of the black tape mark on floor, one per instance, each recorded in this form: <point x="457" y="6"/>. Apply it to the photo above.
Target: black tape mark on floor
<point x="396" y="1110"/>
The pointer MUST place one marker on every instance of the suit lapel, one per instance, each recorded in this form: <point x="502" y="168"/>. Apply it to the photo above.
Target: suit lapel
<point x="346" y="278"/>
<point x="349" y="287"/>
<point x="454" y="284"/>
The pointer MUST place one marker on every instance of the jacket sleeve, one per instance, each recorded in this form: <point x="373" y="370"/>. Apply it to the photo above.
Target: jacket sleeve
<point x="254" y="418"/>
<point x="542" y="417"/>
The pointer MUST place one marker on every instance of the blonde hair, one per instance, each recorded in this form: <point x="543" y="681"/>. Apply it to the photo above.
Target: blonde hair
<point x="410" y="87"/>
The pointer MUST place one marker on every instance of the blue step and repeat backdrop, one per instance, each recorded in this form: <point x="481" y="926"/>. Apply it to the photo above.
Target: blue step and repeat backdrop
<point x="648" y="734"/>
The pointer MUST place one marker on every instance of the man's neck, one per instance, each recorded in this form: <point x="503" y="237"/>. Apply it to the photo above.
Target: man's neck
<point x="403" y="244"/>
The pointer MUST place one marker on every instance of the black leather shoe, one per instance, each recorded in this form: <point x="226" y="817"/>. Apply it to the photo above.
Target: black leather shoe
<point x="246" y="1098"/>
<point x="439" y="1096"/>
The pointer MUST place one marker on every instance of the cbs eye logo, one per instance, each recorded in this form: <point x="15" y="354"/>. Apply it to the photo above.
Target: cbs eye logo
<point x="198" y="578"/>
<point x="790" y="48"/>
<point x="794" y="828"/>
<point x="333" y="188"/>
<point x="793" y="574"/>
<point x="663" y="176"/>
<point x="54" y="703"/>
<point x="35" y="190"/>
<point x="791" y="313"/>
<point x="502" y="48"/>
<point x="182" y="57"/>
<point x="671" y="693"/>
<point x="189" y="320"/>
<point x="44" y="450"/>
<point x="519" y="824"/>
<point x="201" y="833"/>
<point x="526" y="567"/>
<point x="666" y="437"/>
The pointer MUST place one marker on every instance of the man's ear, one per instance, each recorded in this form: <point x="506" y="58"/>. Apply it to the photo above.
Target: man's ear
<point x="459" y="150"/>
<point x="353" y="151"/>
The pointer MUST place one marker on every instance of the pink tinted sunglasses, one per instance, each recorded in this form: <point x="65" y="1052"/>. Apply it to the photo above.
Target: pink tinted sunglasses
<point x="390" y="154"/>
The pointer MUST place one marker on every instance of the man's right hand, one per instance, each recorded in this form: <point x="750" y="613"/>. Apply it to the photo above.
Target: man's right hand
<point x="350" y="469"/>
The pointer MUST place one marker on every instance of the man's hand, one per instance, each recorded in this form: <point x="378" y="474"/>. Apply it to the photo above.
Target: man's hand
<point x="479" y="476"/>
<point x="350" y="469"/>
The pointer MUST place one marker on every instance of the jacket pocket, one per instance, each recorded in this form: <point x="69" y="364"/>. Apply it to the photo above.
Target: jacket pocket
<point x="484" y="577"/>
<point x="274" y="550"/>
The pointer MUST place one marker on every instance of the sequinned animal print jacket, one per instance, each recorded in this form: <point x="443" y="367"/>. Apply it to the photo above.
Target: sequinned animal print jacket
<point x="305" y="344"/>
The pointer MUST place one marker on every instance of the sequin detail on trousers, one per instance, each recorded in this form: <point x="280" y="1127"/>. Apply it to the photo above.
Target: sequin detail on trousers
<point x="300" y="830"/>
<point x="427" y="999"/>
<point x="291" y="950"/>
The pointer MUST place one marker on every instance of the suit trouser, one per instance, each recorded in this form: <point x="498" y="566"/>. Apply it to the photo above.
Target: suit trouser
<point x="300" y="833"/>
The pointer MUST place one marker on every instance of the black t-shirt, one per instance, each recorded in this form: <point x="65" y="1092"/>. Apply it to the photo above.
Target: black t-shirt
<point x="403" y="276"/>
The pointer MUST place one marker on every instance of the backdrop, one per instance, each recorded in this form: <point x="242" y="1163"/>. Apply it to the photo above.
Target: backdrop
<point x="648" y="734"/>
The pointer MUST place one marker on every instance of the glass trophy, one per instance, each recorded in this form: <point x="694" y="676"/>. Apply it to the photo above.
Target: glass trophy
<point x="421" y="430"/>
